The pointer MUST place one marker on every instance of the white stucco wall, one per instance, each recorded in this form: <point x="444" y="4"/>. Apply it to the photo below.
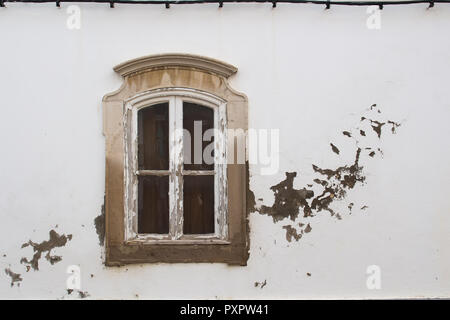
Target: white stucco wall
<point x="309" y="72"/>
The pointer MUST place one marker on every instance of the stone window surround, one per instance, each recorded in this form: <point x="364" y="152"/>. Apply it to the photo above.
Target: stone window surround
<point x="150" y="74"/>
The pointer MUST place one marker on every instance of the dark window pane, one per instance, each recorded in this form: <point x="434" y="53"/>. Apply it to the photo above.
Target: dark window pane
<point x="153" y="211"/>
<point x="153" y="137"/>
<point x="198" y="204"/>
<point x="196" y="116"/>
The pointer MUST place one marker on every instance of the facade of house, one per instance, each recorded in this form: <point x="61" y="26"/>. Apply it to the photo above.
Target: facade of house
<point x="330" y="166"/>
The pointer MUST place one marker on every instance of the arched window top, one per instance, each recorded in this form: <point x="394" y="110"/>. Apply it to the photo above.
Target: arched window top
<point x="175" y="60"/>
<point x="175" y="70"/>
<point x="206" y="99"/>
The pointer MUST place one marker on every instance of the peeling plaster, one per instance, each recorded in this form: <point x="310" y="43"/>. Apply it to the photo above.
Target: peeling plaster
<point x="308" y="228"/>
<point x="260" y="284"/>
<point x="394" y="125"/>
<point x="288" y="200"/>
<point x="335" y="184"/>
<point x="350" y="207"/>
<point x="250" y="201"/>
<point x="15" y="277"/>
<point x="376" y="125"/>
<point x="291" y="232"/>
<point x="334" y="148"/>
<point x="81" y="294"/>
<point x="99" y="223"/>
<point x="55" y="241"/>
<point x="346" y="133"/>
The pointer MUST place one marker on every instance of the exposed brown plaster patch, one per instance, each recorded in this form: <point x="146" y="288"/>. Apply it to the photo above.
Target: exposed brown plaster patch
<point x="308" y="228"/>
<point x="55" y="241"/>
<point x="377" y="125"/>
<point x="15" y="277"/>
<point x="346" y="175"/>
<point x="320" y="181"/>
<point x="261" y="284"/>
<point x="350" y="206"/>
<point x="288" y="200"/>
<point x="291" y="232"/>
<point x="394" y="125"/>
<point x="346" y="133"/>
<point x="334" y="148"/>
<point x="99" y="223"/>
<point x="335" y="183"/>
<point x="52" y="259"/>
<point x="81" y="294"/>
<point x="251" y="203"/>
<point x="374" y="106"/>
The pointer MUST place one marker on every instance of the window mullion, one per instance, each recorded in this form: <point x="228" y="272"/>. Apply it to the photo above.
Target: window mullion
<point x="176" y="166"/>
<point x="220" y="161"/>
<point x="172" y="198"/>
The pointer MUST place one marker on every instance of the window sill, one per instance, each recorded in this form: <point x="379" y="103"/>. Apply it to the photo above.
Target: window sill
<point x="178" y="242"/>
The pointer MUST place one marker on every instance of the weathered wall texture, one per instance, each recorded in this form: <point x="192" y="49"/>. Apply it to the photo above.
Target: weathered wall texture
<point x="364" y="171"/>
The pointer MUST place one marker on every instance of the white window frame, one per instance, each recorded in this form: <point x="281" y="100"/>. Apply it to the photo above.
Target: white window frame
<point x="175" y="97"/>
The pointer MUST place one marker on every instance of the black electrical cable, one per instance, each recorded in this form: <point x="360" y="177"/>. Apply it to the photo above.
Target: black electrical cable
<point x="167" y="3"/>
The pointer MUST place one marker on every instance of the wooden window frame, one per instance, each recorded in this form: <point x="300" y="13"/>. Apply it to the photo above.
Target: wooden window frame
<point x="175" y="98"/>
<point x="202" y="80"/>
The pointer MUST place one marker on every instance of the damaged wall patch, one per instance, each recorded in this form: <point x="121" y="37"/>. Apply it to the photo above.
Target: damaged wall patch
<point x="99" y="223"/>
<point x="55" y="240"/>
<point x="334" y="183"/>
<point x="15" y="277"/>
<point x="288" y="200"/>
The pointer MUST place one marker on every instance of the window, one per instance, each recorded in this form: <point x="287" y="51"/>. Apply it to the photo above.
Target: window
<point x="175" y="174"/>
<point x="173" y="192"/>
